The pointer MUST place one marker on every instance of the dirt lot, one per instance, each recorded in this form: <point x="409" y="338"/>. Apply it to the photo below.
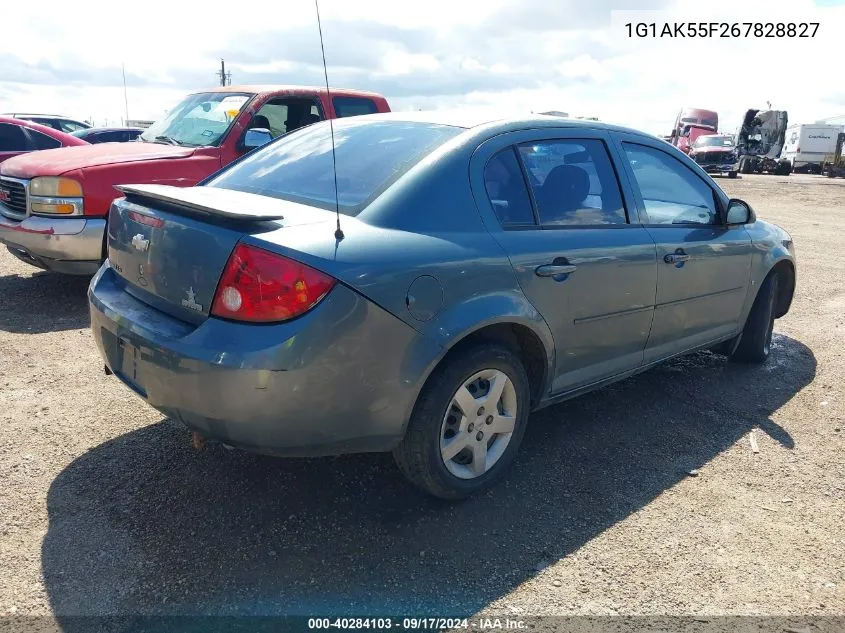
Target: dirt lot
<point x="106" y="509"/>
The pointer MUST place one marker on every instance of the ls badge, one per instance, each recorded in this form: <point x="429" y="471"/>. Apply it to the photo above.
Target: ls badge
<point x="191" y="302"/>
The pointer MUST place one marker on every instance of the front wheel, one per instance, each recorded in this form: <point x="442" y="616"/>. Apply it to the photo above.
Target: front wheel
<point x="467" y="424"/>
<point x="756" y="340"/>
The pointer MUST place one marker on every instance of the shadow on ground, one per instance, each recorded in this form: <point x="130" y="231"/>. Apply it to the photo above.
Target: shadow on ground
<point x="43" y="302"/>
<point x="145" y="525"/>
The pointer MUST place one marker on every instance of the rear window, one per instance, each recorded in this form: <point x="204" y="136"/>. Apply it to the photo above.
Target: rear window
<point x="42" y="141"/>
<point x="353" y="106"/>
<point x="371" y="155"/>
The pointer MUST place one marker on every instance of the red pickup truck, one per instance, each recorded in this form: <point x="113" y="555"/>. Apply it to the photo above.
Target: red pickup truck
<point x="54" y="203"/>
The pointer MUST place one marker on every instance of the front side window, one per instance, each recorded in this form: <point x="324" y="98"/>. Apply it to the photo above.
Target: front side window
<point x="573" y="182"/>
<point x="506" y="189"/>
<point x="353" y="106"/>
<point x="199" y="120"/>
<point x="370" y="157"/>
<point x="672" y="193"/>
<point x="12" y="138"/>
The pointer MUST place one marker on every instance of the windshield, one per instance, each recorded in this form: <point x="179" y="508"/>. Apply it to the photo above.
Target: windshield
<point x="713" y="141"/>
<point x="200" y="119"/>
<point x="371" y="155"/>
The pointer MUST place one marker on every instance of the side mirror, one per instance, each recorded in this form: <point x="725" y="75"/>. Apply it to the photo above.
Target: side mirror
<point x="738" y="212"/>
<point x="256" y="137"/>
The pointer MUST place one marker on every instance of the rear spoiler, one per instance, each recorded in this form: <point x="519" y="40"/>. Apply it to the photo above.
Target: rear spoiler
<point x="222" y="203"/>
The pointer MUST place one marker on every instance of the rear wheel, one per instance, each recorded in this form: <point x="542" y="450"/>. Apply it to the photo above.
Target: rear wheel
<point x="467" y="424"/>
<point x="756" y="339"/>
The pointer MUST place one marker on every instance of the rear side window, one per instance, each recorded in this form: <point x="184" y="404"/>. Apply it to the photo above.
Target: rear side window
<point x="506" y="189"/>
<point x="671" y="191"/>
<point x="573" y="182"/>
<point x="370" y="157"/>
<point x="12" y="139"/>
<point x="353" y="106"/>
<point x="69" y="126"/>
<point x="42" y="141"/>
<point x="53" y="123"/>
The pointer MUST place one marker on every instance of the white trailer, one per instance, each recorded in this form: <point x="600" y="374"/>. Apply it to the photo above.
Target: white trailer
<point x="807" y="144"/>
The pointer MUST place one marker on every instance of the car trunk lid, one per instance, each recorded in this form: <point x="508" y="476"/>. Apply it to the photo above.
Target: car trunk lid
<point x="170" y="245"/>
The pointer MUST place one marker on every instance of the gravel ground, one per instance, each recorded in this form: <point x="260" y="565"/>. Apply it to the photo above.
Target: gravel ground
<point x="106" y="509"/>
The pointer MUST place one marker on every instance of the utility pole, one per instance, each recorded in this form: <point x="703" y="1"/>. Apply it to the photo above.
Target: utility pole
<point x="125" y="97"/>
<point x="225" y="78"/>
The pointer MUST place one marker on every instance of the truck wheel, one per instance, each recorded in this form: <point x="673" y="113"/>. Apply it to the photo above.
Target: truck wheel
<point x="731" y="174"/>
<point x="467" y="423"/>
<point x="756" y="338"/>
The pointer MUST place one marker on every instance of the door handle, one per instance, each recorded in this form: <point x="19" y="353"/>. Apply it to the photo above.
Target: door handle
<point x="675" y="258"/>
<point x="552" y="270"/>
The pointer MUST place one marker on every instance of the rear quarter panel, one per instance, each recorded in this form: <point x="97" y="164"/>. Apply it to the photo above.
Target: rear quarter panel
<point x="426" y="225"/>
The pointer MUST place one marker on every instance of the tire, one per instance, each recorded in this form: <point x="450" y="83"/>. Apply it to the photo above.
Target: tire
<point x="745" y="165"/>
<point x="731" y="174"/>
<point x="419" y="455"/>
<point x="756" y="339"/>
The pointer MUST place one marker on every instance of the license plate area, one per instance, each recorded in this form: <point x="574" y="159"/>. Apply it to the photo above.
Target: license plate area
<point x="127" y="365"/>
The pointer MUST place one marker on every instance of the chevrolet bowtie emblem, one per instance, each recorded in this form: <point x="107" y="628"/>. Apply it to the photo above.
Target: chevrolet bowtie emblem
<point x="140" y="242"/>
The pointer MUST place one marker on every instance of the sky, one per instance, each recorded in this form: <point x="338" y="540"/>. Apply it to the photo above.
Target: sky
<point x="574" y="56"/>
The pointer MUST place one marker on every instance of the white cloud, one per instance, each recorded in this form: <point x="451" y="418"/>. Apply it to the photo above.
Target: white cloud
<point x="531" y="54"/>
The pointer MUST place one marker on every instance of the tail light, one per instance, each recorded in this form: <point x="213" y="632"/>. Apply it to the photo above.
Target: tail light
<point x="263" y="287"/>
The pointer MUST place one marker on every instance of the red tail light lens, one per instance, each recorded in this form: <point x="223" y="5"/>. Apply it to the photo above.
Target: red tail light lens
<point x="147" y="220"/>
<point x="263" y="287"/>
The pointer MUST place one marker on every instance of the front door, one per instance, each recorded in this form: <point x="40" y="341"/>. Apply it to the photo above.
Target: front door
<point x="703" y="265"/>
<point x="588" y="269"/>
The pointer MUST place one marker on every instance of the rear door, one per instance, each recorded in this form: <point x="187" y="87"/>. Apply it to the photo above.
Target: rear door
<point x="552" y="199"/>
<point x="703" y="264"/>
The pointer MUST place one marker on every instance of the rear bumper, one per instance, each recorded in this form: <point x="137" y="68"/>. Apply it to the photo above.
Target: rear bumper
<point x="336" y="380"/>
<point x="67" y="245"/>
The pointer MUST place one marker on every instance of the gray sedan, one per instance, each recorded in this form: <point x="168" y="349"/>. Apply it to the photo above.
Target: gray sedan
<point x="453" y="273"/>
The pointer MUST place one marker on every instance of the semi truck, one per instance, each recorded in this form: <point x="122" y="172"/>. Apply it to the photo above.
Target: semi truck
<point x="759" y="143"/>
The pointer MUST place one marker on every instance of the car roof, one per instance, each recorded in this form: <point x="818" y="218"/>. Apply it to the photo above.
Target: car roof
<point x="506" y="119"/>
<point x="46" y="116"/>
<point x="293" y="89"/>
